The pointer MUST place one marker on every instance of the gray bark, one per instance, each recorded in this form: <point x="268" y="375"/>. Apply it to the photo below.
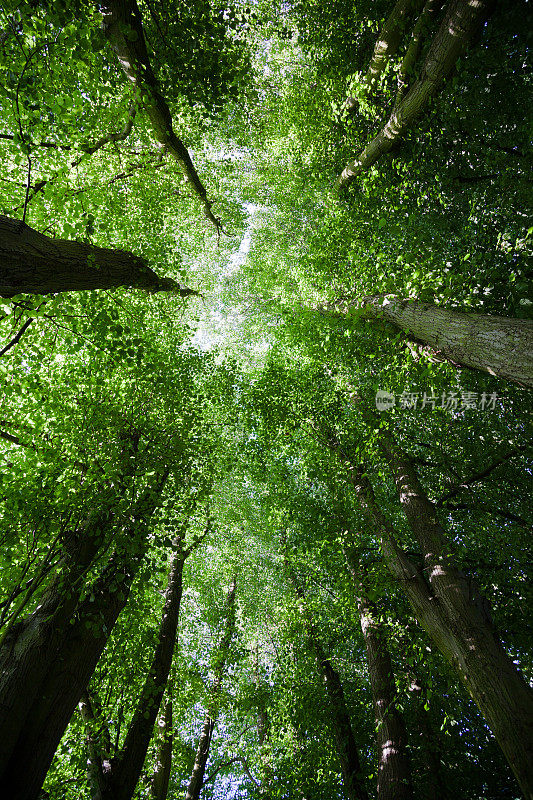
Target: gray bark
<point x="501" y="346"/>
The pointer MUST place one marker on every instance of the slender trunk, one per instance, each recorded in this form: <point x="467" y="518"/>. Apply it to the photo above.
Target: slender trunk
<point x="501" y="346"/>
<point x="202" y="754"/>
<point x="394" y="768"/>
<point x="121" y="19"/>
<point x="461" y="23"/>
<point x="423" y="25"/>
<point x="339" y="716"/>
<point x="163" y="763"/>
<point x="69" y="655"/>
<point x="386" y="46"/>
<point x="33" y="263"/>
<point x="125" y="769"/>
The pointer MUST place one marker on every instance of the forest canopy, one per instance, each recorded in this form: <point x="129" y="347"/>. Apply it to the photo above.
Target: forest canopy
<point x="266" y="356"/>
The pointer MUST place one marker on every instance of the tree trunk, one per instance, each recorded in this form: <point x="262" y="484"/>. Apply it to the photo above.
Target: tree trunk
<point x="33" y="263"/>
<point x="394" y="768"/>
<point x="423" y="24"/>
<point x="460" y="25"/>
<point x="339" y="716"/>
<point x="125" y="768"/>
<point x="450" y="608"/>
<point x="501" y="346"/>
<point x="161" y="778"/>
<point x="122" y="18"/>
<point x="68" y="655"/>
<point x="432" y="780"/>
<point x="386" y="46"/>
<point x="494" y="683"/>
<point x="202" y="754"/>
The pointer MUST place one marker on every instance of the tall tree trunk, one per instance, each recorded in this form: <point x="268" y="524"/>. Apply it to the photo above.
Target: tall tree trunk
<point x="122" y="18"/>
<point x="33" y="263"/>
<point x="339" y="716"/>
<point x="461" y="24"/>
<point x="494" y="683"/>
<point x="452" y="611"/>
<point x="125" y="768"/>
<point x="501" y="346"/>
<point x="423" y="24"/>
<point x="69" y="655"/>
<point x="386" y="46"/>
<point x="163" y="763"/>
<point x="202" y="754"/>
<point x="394" y="768"/>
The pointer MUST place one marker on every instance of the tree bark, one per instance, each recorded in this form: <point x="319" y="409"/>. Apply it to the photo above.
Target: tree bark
<point x="161" y="778"/>
<point x="501" y="346"/>
<point x="450" y="608"/>
<point x="33" y="263"/>
<point x="202" y="754"/>
<point x="432" y="781"/>
<point x="386" y="46"/>
<point x="423" y="24"/>
<point x="394" y="768"/>
<point x="121" y="19"/>
<point x="339" y="716"/>
<point x="125" y="768"/>
<point x="66" y="656"/>
<point x="461" y="24"/>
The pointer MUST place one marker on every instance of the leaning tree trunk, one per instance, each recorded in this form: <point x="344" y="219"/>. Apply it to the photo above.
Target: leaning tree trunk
<point x="501" y="346"/>
<point x="33" y="263"/>
<point x="494" y="683"/>
<point x="387" y="44"/>
<point x="450" y="608"/>
<point x="202" y="754"/>
<point x="460" y="25"/>
<point x="122" y="22"/>
<point x="339" y="716"/>
<point x="123" y="773"/>
<point x="70" y="655"/>
<point x="394" y="768"/>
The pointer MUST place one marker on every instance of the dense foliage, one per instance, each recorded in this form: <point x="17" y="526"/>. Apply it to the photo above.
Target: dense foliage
<point x="226" y="433"/>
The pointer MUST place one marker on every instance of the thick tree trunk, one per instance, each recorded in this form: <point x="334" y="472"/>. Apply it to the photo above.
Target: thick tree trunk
<point x="66" y="658"/>
<point x="339" y="716"/>
<point x="386" y="46"/>
<point x="501" y="346"/>
<point x="124" y="30"/>
<point x="202" y="754"/>
<point x="423" y="24"/>
<point x="33" y="263"/>
<point x="163" y="763"/>
<point x="394" y="768"/>
<point x="461" y="24"/>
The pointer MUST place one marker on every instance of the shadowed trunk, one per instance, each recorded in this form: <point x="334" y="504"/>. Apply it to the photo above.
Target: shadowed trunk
<point x="69" y="655"/>
<point x="432" y="781"/>
<point x="394" y="768"/>
<point x="461" y="24"/>
<point x="386" y="46"/>
<point x="339" y="716"/>
<point x="202" y="754"/>
<point x="33" y="263"/>
<point x="501" y="346"/>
